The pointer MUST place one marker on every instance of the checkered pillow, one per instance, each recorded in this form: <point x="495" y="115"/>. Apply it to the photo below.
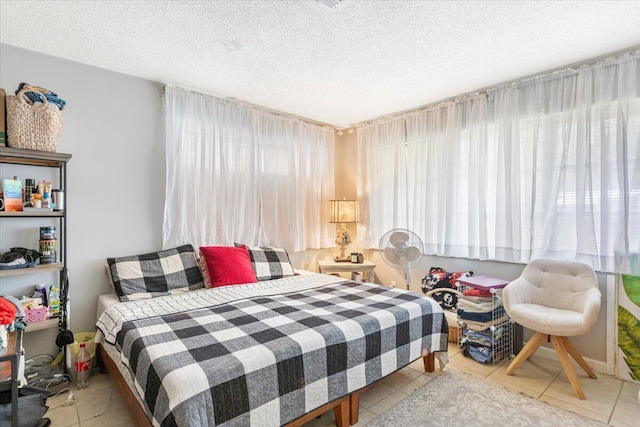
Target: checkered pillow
<point x="269" y="263"/>
<point x="156" y="274"/>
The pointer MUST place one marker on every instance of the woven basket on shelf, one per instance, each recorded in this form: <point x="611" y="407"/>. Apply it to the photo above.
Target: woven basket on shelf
<point x="32" y="127"/>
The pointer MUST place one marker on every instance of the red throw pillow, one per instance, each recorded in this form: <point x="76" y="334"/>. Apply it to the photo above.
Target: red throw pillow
<point x="228" y="265"/>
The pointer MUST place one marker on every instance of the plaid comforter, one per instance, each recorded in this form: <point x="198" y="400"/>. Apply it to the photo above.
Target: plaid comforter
<point x="267" y="360"/>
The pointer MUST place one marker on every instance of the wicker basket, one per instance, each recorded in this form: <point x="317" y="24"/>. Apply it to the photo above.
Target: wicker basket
<point x="36" y="314"/>
<point x="32" y="127"/>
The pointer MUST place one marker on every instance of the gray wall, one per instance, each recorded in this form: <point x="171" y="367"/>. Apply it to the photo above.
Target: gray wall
<point x="116" y="178"/>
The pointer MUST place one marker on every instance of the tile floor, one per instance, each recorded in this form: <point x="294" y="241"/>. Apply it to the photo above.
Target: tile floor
<point x="609" y="400"/>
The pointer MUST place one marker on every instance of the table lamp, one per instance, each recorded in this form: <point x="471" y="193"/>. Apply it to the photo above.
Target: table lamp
<point x="343" y="212"/>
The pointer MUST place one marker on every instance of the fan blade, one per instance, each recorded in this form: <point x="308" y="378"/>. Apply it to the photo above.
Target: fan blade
<point x="412" y="254"/>
<point x="390" y="255"/>
<point x="398" y="238"/>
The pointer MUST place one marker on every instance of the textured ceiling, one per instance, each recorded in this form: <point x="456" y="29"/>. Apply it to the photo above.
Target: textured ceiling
<point x="340" y="65"/>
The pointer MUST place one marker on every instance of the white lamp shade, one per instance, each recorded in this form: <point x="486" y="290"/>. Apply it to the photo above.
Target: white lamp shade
<point x="343" y="211"/>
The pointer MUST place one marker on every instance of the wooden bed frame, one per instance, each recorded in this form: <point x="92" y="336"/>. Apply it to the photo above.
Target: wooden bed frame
<point x="346" y="408"/>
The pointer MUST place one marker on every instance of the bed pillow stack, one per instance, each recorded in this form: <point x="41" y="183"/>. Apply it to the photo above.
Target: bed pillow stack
<point x="155" y="274"/>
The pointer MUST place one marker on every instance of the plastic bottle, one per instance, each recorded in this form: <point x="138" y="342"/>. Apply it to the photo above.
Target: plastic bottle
<point x="82" y="366"/>
<point x="54" y="300"/>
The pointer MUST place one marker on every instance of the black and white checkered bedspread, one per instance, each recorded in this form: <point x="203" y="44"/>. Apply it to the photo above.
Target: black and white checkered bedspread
<point x="268" y="360"/>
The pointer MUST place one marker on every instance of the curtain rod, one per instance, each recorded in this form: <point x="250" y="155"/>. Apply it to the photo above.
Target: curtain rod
<point x="487" y="89"/>
<point x="258" y="108"/>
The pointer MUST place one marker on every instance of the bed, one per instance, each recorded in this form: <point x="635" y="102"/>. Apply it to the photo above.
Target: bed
<point x="268" y="353"/>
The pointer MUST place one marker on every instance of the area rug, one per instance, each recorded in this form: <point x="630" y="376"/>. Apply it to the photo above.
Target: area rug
<point x="456" y="399"/>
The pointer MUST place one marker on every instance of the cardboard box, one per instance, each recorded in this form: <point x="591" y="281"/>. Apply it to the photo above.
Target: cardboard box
<point x="3" y="118"/>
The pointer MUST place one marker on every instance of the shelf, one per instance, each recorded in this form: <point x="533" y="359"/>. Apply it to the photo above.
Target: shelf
<point x="58" y="266"/>
<point x="39" y="326"/>
<point x="32" y="158"/>
<point x="34" y="214"/>
<point x="11" y="350"/>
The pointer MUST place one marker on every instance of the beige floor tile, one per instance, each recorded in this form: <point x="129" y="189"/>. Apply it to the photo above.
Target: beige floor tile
<point x="401" y="378"/>
<point x="535" y="375"/>
<point x="453" y="349"/>
<point x="465" y="364"/>
<point x="619" y="424"/>
<point x="416" y="384"/>
<point x="629" y="392"/>
<point x="61" y="416"/>
<point x="601" y="394"/>
<point x="364" y="417"/>
<point x="117" y="418"/>
<point x="386" y="403"/>
<point x="375" y="394"/>
<point x="626" y="412"/>
<point x="97" y="400"/>
<point x="575" y="409"/>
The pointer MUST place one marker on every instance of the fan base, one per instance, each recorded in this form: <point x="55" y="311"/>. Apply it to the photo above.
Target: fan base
<point x="345" y="259"/>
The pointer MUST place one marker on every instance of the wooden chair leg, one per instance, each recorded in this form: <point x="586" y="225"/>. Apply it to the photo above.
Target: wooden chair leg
<point x="577" y="357"/>
<point x="532" y="345"/>
<point x="558" y="343"/>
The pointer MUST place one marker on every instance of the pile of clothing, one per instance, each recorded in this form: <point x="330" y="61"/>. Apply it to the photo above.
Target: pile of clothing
<point x="19" y="258"/>
<point x="484" y="317"/>
<point x="34" y="94"/>
<point x="11" y="318"/>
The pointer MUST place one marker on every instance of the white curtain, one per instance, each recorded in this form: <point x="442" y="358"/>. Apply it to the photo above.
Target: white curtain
<point x="548" y="167"/>
<point x="236" y="174"/>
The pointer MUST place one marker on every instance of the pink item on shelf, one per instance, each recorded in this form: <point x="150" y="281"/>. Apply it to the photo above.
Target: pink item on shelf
<point x="483" y="282"/>
<point x="36" y="314"/>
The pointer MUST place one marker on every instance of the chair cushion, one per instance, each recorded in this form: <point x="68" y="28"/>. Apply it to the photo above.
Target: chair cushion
<point x="549" y="320"/>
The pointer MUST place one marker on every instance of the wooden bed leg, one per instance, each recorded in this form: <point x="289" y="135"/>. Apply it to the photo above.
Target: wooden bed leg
<point x="354" y="408"/>
<point x="342" y="413"/>
<point x="429" y="362"/>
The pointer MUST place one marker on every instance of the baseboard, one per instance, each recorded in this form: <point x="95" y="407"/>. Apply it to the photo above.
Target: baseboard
<point x="597" y="365"/>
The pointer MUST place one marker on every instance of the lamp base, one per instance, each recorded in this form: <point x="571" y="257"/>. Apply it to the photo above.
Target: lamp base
<point x="345" y="259"/>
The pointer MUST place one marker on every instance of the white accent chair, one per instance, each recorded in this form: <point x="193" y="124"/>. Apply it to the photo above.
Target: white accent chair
<point x="557" y="300"/>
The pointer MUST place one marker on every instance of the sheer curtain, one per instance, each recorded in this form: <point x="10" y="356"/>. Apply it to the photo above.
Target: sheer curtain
<point x="547" y="167"/>
<point x="235" y="174"/>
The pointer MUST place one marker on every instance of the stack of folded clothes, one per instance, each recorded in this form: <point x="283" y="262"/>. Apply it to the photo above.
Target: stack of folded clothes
<point x="479" y="310"/>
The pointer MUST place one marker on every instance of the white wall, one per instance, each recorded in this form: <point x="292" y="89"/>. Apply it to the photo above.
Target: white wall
<point x="115" y="195"/>
<point x="116" y="177"/>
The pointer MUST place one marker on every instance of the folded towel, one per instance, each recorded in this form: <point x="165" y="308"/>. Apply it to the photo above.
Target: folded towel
<point x="483" y="307"/>
<point x="481" y="326"/>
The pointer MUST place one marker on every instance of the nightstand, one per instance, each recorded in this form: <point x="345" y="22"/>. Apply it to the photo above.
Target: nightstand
<point x="366" y="268"/>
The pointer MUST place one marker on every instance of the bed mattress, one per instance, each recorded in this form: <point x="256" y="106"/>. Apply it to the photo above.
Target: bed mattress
<point x="266" y="353"/>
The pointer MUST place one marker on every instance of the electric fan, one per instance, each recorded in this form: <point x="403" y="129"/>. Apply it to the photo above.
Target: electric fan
<point x="402" y="250"/>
